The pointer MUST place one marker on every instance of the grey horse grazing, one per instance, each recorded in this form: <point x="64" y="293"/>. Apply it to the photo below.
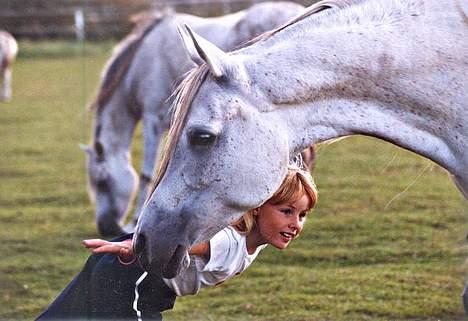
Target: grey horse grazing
<point x="137" y="82"/>
<point x="394" y="70"/>
<point x="8" y="52"/>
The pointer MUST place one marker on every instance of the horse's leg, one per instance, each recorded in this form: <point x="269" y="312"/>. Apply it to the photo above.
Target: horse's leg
<point x="6" y="78"/>
<point x="153" y="130"/>
<point x="308" y="156"/>
<point x="7" y="82"/>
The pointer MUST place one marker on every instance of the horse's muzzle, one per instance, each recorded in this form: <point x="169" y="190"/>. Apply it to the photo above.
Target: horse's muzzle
<point x="161" y="259"/>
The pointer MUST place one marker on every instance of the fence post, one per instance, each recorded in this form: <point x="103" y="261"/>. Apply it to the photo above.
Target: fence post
<point x="79" y="25"/>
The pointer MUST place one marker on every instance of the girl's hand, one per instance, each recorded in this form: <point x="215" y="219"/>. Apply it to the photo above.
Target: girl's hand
<point x="124" y="249"/>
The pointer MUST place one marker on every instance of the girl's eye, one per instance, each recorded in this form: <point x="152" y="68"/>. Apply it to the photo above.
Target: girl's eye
<point x="286" y="211"/>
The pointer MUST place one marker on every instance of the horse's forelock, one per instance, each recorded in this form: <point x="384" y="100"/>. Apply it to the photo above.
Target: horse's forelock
<point x="184" y="96"/>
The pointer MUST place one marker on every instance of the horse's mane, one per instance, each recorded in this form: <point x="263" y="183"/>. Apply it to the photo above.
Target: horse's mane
<point x="313" y="9"/>
<point x="123" y="54"/>
<point x="184" y="95"/>
<point x="351" y="12"/>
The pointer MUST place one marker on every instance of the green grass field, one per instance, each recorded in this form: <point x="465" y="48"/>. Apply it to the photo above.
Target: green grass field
<point x="385" y="243"/>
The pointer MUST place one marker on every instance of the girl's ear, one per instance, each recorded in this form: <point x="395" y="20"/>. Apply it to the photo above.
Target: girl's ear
<point x="256" y="211"/>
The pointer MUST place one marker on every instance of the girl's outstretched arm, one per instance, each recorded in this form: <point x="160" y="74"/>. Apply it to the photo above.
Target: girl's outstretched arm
<point x="124" y="249"/>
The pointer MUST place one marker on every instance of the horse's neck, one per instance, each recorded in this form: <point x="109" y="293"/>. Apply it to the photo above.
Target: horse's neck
<point x="382" y="81"/>
<point x="114" y="126"/>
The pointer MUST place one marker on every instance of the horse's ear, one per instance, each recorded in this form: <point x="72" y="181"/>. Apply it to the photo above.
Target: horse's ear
<point x="87" y="149"/>
<point x="202" y="51"/>
<point x="189" y="45"/>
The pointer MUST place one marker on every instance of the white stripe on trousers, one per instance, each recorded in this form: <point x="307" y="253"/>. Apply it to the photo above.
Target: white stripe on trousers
<point x="137" y="295"/>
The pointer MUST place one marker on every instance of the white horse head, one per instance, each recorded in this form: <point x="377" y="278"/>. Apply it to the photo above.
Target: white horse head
<point x="112" y="183"/>
<point x="8" y="52"/>
<point x="370" y="67"/>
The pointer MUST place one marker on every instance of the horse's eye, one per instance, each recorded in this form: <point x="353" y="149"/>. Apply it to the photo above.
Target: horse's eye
<point x="102" y="185"/>
<point x="201" y="137"/>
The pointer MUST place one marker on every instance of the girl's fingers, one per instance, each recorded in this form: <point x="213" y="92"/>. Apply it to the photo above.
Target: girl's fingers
<point x="100" y="246"/>
<point x="94" y="243"/>
<point x="116" y="249"/>
<point x="124" y="252"/>
<point x="113" y="249"/>
<point x="124" y="248"/>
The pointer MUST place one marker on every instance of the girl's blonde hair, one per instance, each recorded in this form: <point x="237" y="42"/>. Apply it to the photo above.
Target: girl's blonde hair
<point x="298" y="182"/>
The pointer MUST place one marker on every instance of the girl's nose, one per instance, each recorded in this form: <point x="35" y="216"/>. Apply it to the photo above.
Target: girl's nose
<point x="294" y="223"/>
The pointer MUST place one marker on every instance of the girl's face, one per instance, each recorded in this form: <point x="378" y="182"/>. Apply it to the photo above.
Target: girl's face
<point x="279" y="224"/>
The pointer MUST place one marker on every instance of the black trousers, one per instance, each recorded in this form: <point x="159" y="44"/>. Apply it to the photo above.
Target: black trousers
<point x="105" y="290"/>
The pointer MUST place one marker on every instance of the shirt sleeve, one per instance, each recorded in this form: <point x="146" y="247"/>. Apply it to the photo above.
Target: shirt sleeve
<point x="222" y="248"/>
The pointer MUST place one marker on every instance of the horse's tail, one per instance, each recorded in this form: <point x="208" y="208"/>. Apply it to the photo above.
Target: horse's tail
<point x="122" y="57"/>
